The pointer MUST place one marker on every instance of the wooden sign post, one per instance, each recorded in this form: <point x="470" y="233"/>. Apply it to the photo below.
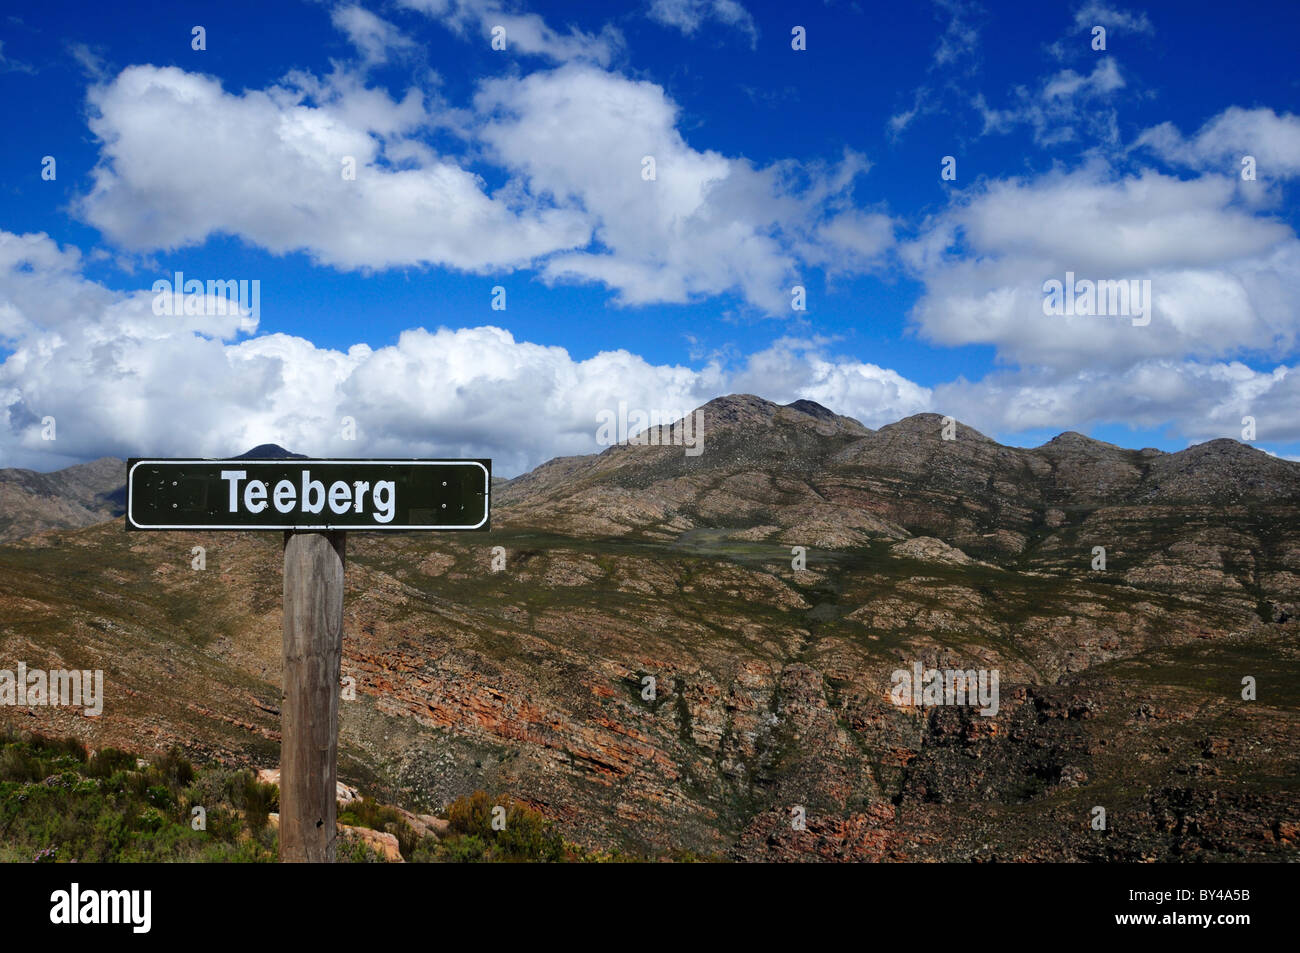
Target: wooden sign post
<point x="309" y="711"/>
<point x="313" y="502"/>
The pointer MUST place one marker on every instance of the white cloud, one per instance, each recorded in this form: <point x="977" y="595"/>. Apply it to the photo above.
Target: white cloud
<point x="955" y="55"/>
<point x="10" y="65"/>
<point x="901" y="120"/>
<point x="374" y="37"/>
<point x="1224" y="280"/>
<point x="1223" y="277"/>
<point x="689" y="15"/>
<point x="525" y="33"/>
<point x="120" y="380"/>
<point x="792" y="369"/>
<point x="960" y="37"/>
<point x="705" y="225"/>
<point x="91" y="61"/>
<point x="1196" y="400"/>
<point x="1105" y="78"/>
<point x="182" y="160"/>
<point x="1221" y="143"/>
<point x="1095" y="13"/>
<point x="1066" y="107"/>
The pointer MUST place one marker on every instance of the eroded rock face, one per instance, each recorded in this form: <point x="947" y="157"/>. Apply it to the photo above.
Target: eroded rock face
<point x="652" y="672"/>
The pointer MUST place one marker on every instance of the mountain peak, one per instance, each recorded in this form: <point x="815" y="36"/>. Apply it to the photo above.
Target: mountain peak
<point x="748" y="410"/>
<point x="812" y="409"/>
<point x="269" y="451"/>
<point x="931" y="424"/>
<point x="1071" y="436"/>
<point x="1073" y="440"/>
<point x="738" y="408"/>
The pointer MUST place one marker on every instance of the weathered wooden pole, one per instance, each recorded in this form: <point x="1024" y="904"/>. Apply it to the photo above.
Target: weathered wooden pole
<point x="309" y="711"/>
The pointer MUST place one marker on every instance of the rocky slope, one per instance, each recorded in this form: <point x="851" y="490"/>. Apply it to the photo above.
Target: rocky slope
<point x="1120" y="687"/>
<point x="81" y="495"/>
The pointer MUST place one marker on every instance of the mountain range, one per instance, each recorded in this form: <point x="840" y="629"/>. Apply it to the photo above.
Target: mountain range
<point x="686" y="652"/>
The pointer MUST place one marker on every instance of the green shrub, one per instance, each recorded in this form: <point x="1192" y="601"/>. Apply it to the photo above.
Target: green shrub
<point x="175" y="768"/>
<point x="367" y="812"/>
<point x="470" y="815"/>
<point x="426" y="851"/>
<point x="108" y="761"/>
<point x="351" y="851"/>
<point x="467" y="849"/>
<point x="58" y="805"/>
<point x="18" y="764"/>
<point x="110" y="835"/>
<point x="68" y="749"/>
<point x="526" y="835"/>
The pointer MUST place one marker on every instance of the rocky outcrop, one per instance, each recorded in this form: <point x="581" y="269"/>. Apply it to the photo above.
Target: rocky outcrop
<point x="345" y="793"/>
<point x="385" y="845"/>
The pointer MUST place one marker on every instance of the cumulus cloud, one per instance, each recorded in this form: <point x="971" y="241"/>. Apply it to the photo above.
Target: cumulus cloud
<point x="793" y="368"/>
<point x="1223" y="280"/>
<point x="122" y="380"/>
<point x="1195" y="400"/>
<point x="182" y="159"/>
<point x="706" y="223"/>
<point x="1223" y="141"/>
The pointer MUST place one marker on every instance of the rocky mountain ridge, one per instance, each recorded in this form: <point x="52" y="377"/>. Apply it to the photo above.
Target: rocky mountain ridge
<point x="81" y="495"/>
<point x="1121" y="686"/>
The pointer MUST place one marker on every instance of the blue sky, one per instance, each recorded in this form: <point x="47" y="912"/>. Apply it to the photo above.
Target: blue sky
<point x="523" y="168"/>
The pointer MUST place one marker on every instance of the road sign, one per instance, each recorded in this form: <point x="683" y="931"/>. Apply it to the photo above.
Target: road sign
<point x="308" y="494"/>
<point x="314" y="501"/>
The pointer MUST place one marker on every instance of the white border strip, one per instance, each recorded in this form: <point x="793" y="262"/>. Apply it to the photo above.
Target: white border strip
<point x="382" y="527"/>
